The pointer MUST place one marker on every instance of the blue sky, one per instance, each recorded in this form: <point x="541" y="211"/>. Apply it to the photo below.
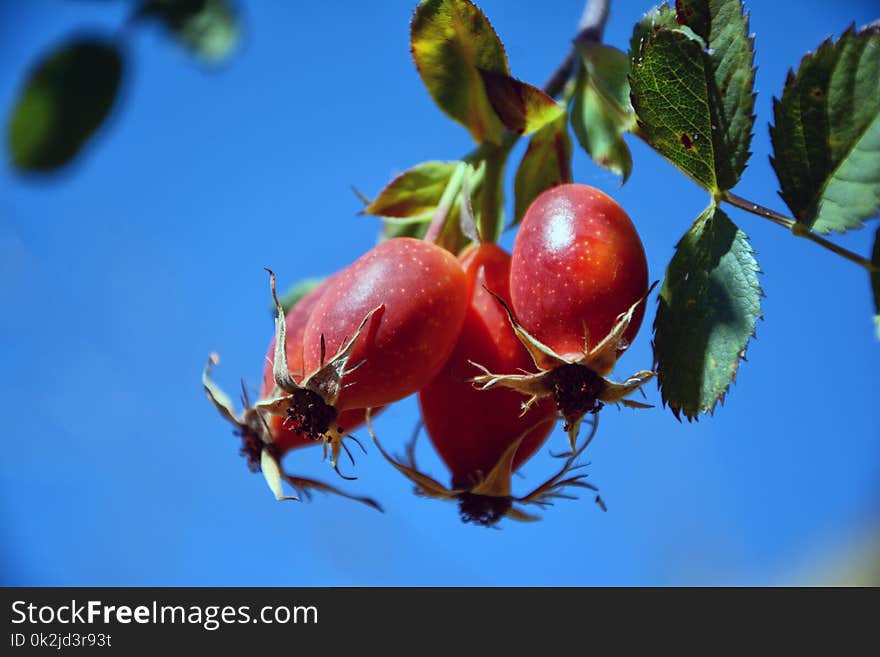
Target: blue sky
<point x="118" y="277"/>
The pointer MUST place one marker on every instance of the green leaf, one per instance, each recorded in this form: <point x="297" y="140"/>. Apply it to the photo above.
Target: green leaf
<point x="602" y="111"/>
<point x="521" y="107"/>
<point x="414" y="192"/>
<point x="655" y="19"/>
<point x="709" y="304"/>
<point x="692" y="90"/>
<point x="207" y="28"/>
<point x="875" y="281"/>
<point x="451" y="42"/>
<point x="296" y="292"/>
<point x="546" y="164"/>
<point x="67" y="97"/>
<point x="671" y="99"/>
<point x="725" y="29"/>
<point x="826" y="137"/>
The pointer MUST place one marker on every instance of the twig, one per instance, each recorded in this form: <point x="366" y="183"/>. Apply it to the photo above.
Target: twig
<point x="798" y="229"/>
<point x="590" y="28"/>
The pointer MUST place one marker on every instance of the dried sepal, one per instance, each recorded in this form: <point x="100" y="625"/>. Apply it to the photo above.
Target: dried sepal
<point x="256" y="435"/>
<point x="578" y="386"/>
<point x="425" y="485"/>
<point x="542" y="355"/>
<point x="216" y="396"/>
<point x="490" y="498"/>
<point x="304" y="486"/>
<point x="553" y="488"/>
<point x="310" y="406"/>
<point x="272" y="473"/>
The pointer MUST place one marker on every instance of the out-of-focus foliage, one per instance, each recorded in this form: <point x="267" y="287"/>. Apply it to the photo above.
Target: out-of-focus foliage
<point x="68" y="95"/>
<point x="71" y="90"/>
<point x="207" y="28"/>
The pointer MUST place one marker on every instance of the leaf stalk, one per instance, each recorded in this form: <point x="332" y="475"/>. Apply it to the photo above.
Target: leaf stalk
<point x="798" y="229"/>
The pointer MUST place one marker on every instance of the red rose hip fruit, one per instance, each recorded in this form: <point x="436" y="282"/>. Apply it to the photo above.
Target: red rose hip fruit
<point x="578" y="263"/>
<point x="390" y="321"/>
<point x="578" y="282"/>
<point x="267" y="438"/>
<point x="485" y="436"/>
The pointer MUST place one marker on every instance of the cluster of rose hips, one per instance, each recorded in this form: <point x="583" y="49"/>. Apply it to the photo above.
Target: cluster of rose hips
<point x="497" y="346"/>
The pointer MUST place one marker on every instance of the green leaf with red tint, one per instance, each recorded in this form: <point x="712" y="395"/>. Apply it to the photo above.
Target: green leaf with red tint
<point x="521" y="107"/>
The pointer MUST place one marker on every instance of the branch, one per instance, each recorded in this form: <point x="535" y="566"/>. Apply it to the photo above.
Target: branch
<point x="798" y="229"/>
<point x="590" y="28"/>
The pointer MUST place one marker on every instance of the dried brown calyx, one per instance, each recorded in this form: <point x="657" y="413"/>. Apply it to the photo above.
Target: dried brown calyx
<point x="490" y="498"/>
<point x="576" y="385"/>
<point x="259" y="449"/>
<point x="310" y="406"/>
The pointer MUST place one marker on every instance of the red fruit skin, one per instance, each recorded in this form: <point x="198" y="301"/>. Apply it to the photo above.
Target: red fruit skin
<point x="577" y="262"/>
<point x="284" y="437"/>
<point x="423" y="289"/>
<point x="470" y="428"/>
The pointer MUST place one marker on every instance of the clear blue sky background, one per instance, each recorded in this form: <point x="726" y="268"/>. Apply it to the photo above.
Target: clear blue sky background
<point x="118" y="278"/>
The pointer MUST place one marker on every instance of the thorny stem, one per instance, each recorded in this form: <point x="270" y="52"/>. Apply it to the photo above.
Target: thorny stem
<point x="798" y="230"/>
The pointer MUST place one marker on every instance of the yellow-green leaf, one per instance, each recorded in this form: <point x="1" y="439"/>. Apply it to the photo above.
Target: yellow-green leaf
<point x="451" y="42"/>
<point x="414" y="192"/>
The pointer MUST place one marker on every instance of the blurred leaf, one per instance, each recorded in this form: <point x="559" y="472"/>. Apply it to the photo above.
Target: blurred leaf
<point x="546" y="164"/>
<point x="521" y="107"/>
<point x="207" y="28"/>
<point x="875" y="281"/>
<point x="692" y="91"/>
<point x="68" y="95"/>
<point x="296" y="292"/>
<point x="414" y="192"/>
<point x="602" y="111"/>
<point x="826" y="140"/>
<point x="709" y="304"/>
<point x="451" y="42"/>
<point x="655" y="19"/>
